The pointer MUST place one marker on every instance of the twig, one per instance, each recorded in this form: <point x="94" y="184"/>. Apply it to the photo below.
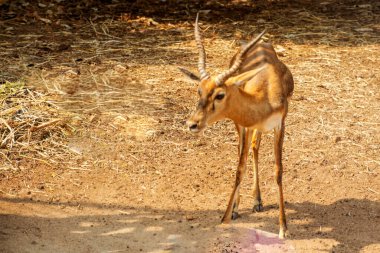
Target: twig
<point x="9" y="136"/>
<point x="36" y="159"/>
<point x="35" y="128"/>
<point x="75" y="168"/>
<point x="371" y="190"/>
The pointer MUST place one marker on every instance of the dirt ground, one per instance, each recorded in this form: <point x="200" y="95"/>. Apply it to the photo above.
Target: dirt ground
<point x="129" y="177"/>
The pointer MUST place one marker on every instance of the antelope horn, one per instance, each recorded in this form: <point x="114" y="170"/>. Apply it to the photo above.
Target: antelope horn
<point x="202" y="54"/>
<point x="221" y="78"/>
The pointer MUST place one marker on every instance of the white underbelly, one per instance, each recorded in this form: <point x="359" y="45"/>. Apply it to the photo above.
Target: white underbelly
<point x="272" y="122"/>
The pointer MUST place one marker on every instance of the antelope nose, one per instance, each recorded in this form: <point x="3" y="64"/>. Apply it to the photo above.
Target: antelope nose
<point x="192" y="125"/>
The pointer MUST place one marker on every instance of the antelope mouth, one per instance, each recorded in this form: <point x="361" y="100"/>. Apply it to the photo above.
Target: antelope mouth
<point x="195" y="128"/>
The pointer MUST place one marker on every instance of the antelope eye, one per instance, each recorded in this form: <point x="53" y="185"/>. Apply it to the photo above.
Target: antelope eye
<point x="220" y="96"/>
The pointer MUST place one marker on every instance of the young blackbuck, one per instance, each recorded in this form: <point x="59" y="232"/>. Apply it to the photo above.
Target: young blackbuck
<point x="254" y="92"/>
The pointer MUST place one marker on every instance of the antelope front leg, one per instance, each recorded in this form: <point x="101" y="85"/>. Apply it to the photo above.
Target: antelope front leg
<point x="245" y="137"/>
<point x="278" y="142"/>
<point x="235" y="213"/>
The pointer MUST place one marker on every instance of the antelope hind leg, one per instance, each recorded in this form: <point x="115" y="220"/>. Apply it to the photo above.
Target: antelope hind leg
<point x="257" y="203"/>
<point x="278" y="143"/>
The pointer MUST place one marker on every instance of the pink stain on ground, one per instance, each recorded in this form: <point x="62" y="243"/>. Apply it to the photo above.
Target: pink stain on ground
<point x="252" y="241"/>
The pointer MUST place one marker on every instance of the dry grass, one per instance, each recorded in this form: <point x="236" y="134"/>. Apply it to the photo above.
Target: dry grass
<point x="32" y="127"/>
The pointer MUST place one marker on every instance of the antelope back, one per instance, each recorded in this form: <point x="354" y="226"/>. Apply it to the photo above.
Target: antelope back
<point x="264" y="55"/>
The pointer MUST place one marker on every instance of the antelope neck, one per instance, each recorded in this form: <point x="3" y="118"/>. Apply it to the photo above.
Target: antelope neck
<point x="246" y="109"/>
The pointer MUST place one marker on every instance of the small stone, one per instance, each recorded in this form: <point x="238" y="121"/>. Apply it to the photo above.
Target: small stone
<point x="71" y="73"/>
<point x="195" y="225"/>
<point x="47" y="21"/>
<point x="261" y="21"/>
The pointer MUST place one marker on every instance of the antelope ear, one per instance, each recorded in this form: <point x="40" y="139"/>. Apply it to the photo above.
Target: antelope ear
<point x="189" y="74"/>
<point x="244" y="77"/>
<point x="240" y="83"/>
<point x="237" y="81"/>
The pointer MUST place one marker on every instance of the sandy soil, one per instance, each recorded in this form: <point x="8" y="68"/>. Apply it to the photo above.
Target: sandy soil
<point x="138" y="181"/>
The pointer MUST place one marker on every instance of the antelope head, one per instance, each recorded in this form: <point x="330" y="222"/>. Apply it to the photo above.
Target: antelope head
<point x="215" y="93"/>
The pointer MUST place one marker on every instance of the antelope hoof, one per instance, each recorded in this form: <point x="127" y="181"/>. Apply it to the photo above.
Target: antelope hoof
<point x="226" y="220"/>
<point x="258" y="206"/>
<point x="283" y="234"/>
<point x="235" y="215"/>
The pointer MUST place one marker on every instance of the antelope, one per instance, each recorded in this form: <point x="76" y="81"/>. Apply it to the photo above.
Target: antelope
<point x="254" y="93"/>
